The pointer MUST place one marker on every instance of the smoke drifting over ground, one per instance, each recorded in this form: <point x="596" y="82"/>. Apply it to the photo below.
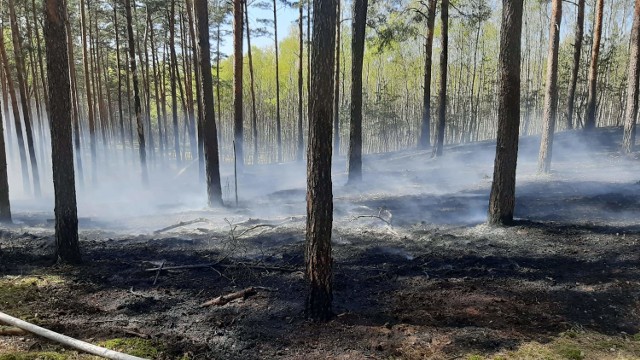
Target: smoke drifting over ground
<point x="589" y="182"/>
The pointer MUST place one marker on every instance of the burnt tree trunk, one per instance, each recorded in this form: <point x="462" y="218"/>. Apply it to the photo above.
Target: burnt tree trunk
<point x="174" y="96"/>
<point x="592" y="99"/>
<point x="551" y="90"/>
<point x="254" y="113"/>
<point x="629" y="137"/>
<point x="502" y="198"/>
<point x="67" y="245"/>
<point x="87" y="89"/>
<point x="238" y="126"/>
<point x="442" y="92"/>
<point x="300" y="139"/>
<point x="136" y="92"/>
<point x="319" y="187"/>
<point x="5" y="205"/>
<point x="336" y="85"/>
<point x="577" y="51"/>
<point x="278" y="123"/>
<point x="210" y="138"/>
<point x="425" y="128"/>
<point x="24" y="163"/>
<point x="24" y="96"/>
<point x="357" y="58"/>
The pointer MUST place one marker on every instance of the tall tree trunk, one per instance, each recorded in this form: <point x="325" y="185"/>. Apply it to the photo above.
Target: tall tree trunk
<point x="87" y="89"/>
<point x="278" y="124"/>
<point x="24" y="96"/>
<point x="577" y="51"/>
<point x="136" y="91"/>
<point x="5" y="205"/>
<point x="147" y="87"/>
<point x="442" y="92"/>
<point x="592" y="99"/>
<point x="425" y="128"/>
<point x="196" y="69"/>
<point x="629" y="137"/>
<point x="357" y="58"/>
<point x="551" y="90"/>
<point x="214" y="188"/>
<point x="118" y="74"/>
<point x="218" y="83"/>
<point x="254" y="113"/>
<point x="188" y="88"/>
<point x="172" y="66"/>
<point x="40" y="57"/>
<point x="336" y="85"/>
<point x="300" y="139"/>
<point x="238" y="126"/>
<point x="156" y="80"/>
<point x="75" y="105"/>
<point x="24" y="164"/>
<point x="502" y="198"/>
<point x="67" y="245"/>
<point x="319" y="186"/>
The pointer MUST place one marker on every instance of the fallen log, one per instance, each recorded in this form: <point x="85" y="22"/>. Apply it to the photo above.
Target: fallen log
<point x="66" y="340"/>
<point x="224" y="299"/>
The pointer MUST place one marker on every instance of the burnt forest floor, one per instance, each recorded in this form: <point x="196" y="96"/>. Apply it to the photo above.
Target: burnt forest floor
<point x="417" y="275"/>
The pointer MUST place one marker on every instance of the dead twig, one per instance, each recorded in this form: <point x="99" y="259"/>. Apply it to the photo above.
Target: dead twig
<point x="158" y="273"/>
<point x="379" y="216"/>
<point x="181" y="224"/>
<point x="225" y="299"/>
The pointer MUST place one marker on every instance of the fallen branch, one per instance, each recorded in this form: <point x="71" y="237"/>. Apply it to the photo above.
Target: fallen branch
<point x="379" y="216"/>
<point x="66" y="340"/>
<point x="225" y="299"/>
<point x="373" y="216"/>
<point x="181" y="224"/>
<point x="213" y="265"/>
<point x="158" y="273"/>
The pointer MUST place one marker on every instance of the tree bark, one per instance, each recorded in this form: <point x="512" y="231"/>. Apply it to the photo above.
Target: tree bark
<point x="551" y="90"/>
<point x="442" y="92"/>
<point x="336" y="85"/>
<point x="577" y="52"/>
<point x="592" y="99"/>
<point x="502" y="198"/>
<point x="300" y="138"/>
<point x="87" y="89"/>
<point x="319" y="187"/>
<point x="210" y="138"/>
<point x="136" y="92"/>
<point x="254" y="113"/>
<point x="5" y="205"/>
<point x="425" y="128"/>
<point x="24" y="96"/>
<point x="357" y="58"/>
<point x="629" y="137"/>
<point x="172" y="66"/>
<point x="24" y="164"/>
<point x="278" y="124"/>
<point x="238" y="126"/>
<point x="67" y="245"/>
